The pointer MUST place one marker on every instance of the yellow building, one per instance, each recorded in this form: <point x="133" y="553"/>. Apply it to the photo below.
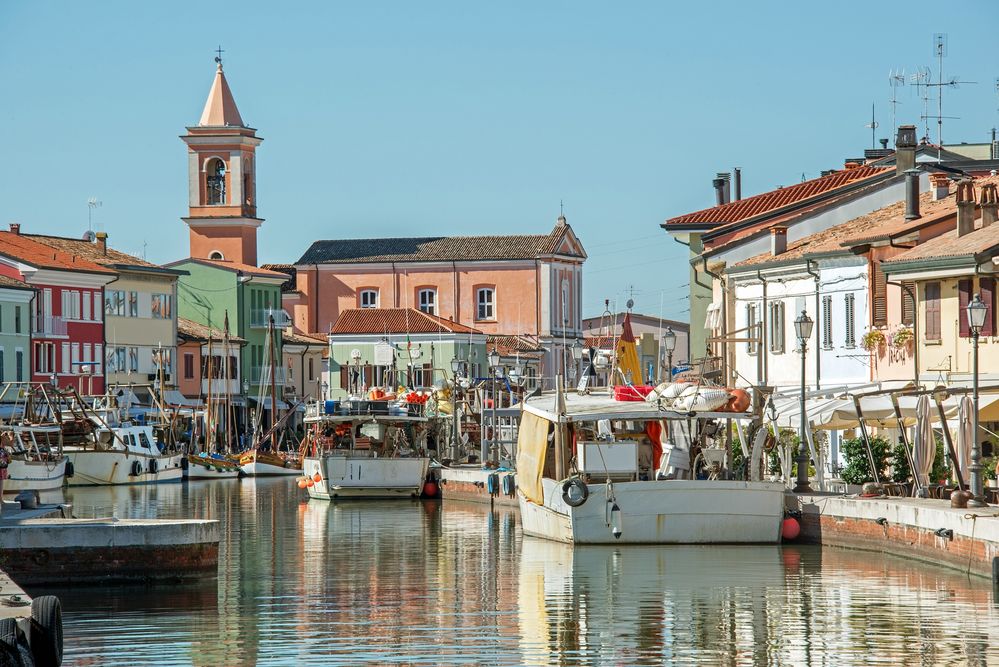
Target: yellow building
<point x="949" y="271"/>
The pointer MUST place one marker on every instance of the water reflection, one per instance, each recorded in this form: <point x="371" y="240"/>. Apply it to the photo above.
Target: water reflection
<point x="318" y="583"/>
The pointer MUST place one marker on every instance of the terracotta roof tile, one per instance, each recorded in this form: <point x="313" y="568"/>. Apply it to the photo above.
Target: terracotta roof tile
<point x="89" y="250"/>
<point x="296" y="338"/>
<point x="6" y="281"/>
<point x="882" y="224"/>
<point x="951" y="245"/>
<point x="394" y="321"/>
<point x="434" y="248"/>
<point x="512" y="346"/>
<point x="195" y="331"/>
<point x="233" y="266"/>
<point x="29" y="251"/>
<point x="750" y="207"/>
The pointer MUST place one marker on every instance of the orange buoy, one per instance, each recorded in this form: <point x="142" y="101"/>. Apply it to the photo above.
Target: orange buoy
<point x="302" y="484"/>
<point x="790" y="529"/>
<point x="430" y="489"/>
<point x="310" y="483"/>
<point x="317" y="478"/>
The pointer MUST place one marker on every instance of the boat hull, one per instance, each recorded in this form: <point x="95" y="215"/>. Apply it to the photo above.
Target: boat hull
<point x="660" y="512"/>
<point x="473" y="484"/>
<point x="111" y="467"/>
<point x="37" y="475"/>
<point x="199" y="467"/>
<point x="366" y="477"/>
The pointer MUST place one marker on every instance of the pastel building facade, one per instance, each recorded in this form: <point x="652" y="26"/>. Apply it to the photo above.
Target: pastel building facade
<point x="16" y="298"/>
<point x="528" y="285"/>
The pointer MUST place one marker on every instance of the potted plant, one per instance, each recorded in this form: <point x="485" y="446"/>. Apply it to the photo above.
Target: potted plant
<point x="902" y="337"/>
<point x="873" y="340"/>
<point x="858" y="469"/>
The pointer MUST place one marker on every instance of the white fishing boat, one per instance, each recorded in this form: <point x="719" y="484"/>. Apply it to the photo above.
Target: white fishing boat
<point x="364" y="456"/>
<point x="581" y="477"/>
<point x="210" y="467"/>
<point x="124" y="454"/>
<point x="36" y="458"/>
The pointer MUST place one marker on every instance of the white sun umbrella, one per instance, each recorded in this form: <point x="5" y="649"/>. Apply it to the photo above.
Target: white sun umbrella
<point x="924" y="446"/>
<point x="965" y="433"/>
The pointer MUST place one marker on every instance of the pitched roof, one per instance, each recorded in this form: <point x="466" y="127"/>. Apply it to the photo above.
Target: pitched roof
<point x="13" y="283"/>
<point x="235" y="267"/>
<point x="781" y="198"/>
<point x="220" y="108"/>
<point x="295" y="338"/>
<point x="512" y="346"/>
<point x="436" y="248"/>
<point x="195" y="331"/>
<point x="25" y="249"/>
<point x="394" y="321"/>
<point x="951" y="245"/>
<point x="89" y="250"/>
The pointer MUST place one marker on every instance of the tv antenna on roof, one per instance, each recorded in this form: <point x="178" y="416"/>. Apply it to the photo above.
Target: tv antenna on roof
<point x="921" y="79"/>
<point x="896" y="78"/>
<point x="940" y="51"/>
<point x="874" y="126"/>
<point x="92" y="203"/>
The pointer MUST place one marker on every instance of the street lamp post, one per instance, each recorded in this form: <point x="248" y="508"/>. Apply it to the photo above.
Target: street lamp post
<point x="669" y="344"/>
<point x="976" y="320"/>
<point x="577" y="356"/>
<point x="456" y="432"/>
<point x="803" y="329"/>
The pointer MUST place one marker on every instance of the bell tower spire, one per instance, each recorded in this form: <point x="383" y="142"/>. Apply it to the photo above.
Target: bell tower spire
<point x="222" y="207"/>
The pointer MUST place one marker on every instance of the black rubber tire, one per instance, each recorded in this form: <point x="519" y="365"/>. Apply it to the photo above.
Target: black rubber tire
<point x="584" y="492"/>
<point x="154" y="466"/>
<point x="46" y="631"/>
<point x="136" y="468"/>
<point x="70" y="470"/>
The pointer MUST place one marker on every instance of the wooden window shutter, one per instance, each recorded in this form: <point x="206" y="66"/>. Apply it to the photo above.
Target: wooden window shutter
<point x="987" y="288"/>
<point x="932" y="298"/>
<point x="879" y="310"/>
<point x="908" y="287"/>
<point x="963" y="297"/>
<point x="344" y="378"/>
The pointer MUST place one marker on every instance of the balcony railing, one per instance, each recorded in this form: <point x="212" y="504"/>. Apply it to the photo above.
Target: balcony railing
<point x="260" y="319"/>
<point x="49" y="326"/>
<point x="262" y="375"/>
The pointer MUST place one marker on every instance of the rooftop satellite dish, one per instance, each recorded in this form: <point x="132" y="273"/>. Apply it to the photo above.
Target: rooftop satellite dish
<point x="631" y="304"/>
<point x="89" y="236"/>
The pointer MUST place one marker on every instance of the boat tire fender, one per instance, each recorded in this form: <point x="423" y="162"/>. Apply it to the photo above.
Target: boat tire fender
<point x="154" y="466"/>
<point x="491" y="485"/>
<point x="507" y="485"/>
<point x="136" y="468"/>
<point x="46" y="631"/>
<point x="577" y="498"/>
<point x="70" y="470"/>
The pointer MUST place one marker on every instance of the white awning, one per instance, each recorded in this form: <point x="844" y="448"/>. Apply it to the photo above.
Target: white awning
<point x="174" y="397"/>
<point x="841" y="413"/>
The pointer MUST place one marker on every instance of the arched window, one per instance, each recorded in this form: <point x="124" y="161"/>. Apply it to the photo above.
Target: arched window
<point x="368" y="298"/>
<point x="216" y="255"/>
<point x="215" y="181"/>
<point x="428" y="300"/>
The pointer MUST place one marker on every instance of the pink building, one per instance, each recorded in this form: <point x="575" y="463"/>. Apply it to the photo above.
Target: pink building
<point x="67" y="327"/>
<point x="500" y="285"/>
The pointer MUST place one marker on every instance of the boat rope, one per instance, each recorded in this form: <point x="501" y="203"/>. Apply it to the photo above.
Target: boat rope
<point x="974" y="522"/>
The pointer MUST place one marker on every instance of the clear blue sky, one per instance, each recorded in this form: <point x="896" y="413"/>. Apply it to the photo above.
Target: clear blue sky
<point x="423" y="118"/>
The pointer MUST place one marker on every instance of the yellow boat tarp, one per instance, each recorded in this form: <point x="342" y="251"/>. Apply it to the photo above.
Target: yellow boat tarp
<point x="627" y="354"/>
<point x="532" y="448"/>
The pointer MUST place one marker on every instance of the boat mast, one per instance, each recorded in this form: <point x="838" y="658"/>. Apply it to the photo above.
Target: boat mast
<point x="272" y="353"/>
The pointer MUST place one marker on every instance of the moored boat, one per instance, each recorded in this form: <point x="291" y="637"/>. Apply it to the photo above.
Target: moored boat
<point x="210" y="467"/>
<point x="635" y="476"/>
<point x="36" y="460"/>
<point x="261" y="462"/>
<point x="125" y="454"/>
<point x="364" y="456"/>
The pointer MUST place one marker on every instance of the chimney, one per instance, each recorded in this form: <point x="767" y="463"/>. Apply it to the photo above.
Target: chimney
<point x="727" y="180"/>
<point x="102" y="242"/>
<point x="719" y="185"/>
<point x="778" y="240"/>
<point x="884" y="144"/>
<point x="912" y="194"/>
<point x="990" y="204"/>
<point x="965" y="207"/>
<point x="905" y="149"/>
<point x="738" y="183"/>
<point x="15" y="228"/>
<point x="941" y="186"/>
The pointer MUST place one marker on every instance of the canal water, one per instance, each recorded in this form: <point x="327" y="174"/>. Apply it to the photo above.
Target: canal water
<point x="396" y="583"/>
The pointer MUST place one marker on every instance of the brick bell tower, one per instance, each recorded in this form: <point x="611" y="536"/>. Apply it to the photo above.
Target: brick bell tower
<point x="222" y="180"/>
